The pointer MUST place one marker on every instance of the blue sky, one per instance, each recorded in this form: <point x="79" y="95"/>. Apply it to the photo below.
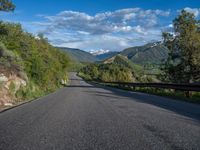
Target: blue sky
<point x="99" y="24"/>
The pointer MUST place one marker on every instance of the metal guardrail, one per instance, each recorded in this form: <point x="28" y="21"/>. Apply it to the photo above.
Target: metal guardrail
<point x="181" y="87"/>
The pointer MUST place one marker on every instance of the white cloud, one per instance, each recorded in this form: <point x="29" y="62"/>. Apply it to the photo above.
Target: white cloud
<point x="108" y="41"/>
<point x="139" y="29"/>
<point x="195" y="11"/>
<point x="83" y="32"/>
<point x="170" y="25"/>
<point x="108" y="30"/>
<point x="102" y="23"/>
<point x="99" y="42"/>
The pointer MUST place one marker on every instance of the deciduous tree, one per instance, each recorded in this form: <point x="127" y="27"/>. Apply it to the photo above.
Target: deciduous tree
<point x="183" y="64"/>
<point x="6" y="5"/>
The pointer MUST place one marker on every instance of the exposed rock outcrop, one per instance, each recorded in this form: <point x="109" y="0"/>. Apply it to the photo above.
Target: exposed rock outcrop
<point x="10" y="83"/>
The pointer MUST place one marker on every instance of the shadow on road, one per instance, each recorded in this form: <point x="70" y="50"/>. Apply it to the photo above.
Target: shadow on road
<point x="73" y="79"/>
<point x="183" y="108"/>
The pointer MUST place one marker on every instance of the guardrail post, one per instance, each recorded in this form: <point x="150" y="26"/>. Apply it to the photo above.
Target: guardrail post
<point x="188" y="94"/>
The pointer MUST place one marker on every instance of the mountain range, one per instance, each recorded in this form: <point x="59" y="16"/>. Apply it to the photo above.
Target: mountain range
<point x="151" y="53"/>
<point x="79" y="55"/>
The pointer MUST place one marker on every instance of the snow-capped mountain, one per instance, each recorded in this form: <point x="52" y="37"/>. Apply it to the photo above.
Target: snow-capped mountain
<point x="99" y="52"/>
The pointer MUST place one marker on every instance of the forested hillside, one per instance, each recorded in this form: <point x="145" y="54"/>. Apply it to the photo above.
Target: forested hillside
<point x="32" y="59"/>
<point x="117" y="69"/>
<point x="79" y="55"/>
<point x="152" y="53"/>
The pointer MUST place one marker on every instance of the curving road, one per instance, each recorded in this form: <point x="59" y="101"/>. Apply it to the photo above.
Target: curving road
<point x="90" y="117"/>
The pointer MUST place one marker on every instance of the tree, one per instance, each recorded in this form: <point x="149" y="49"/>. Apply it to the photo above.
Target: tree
<point x="183" y="63"/>
<point x="6" y="5"/>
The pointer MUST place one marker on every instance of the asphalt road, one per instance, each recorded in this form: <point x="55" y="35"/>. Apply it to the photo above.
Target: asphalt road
<point x="91" y="117"/>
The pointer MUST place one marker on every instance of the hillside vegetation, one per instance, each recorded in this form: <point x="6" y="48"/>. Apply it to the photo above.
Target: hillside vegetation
<point x="116" y="69"/>
<point x="152" y="53"/>
<point x="79" y="55"/>
<point x="33" y="59"/>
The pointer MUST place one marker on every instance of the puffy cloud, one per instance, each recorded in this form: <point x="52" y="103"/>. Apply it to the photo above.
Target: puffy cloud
<point x="139" y="29"/>
<point x="108" y="30"/>
<point x="101" y="23"/>
<point x="195" y="11"/>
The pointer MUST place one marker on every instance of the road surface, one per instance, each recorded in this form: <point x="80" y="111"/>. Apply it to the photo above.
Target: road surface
<point x="91" y="117"/>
